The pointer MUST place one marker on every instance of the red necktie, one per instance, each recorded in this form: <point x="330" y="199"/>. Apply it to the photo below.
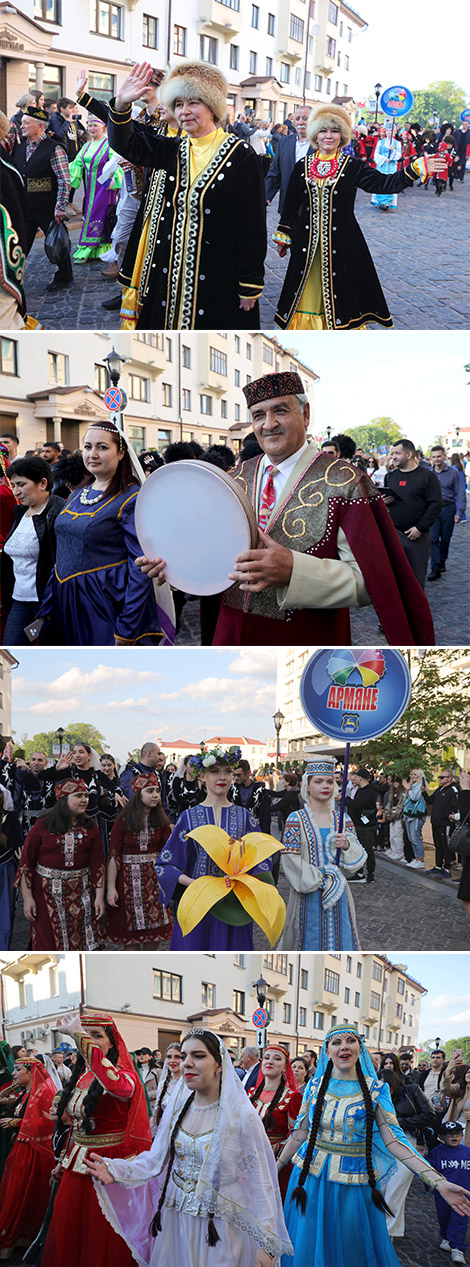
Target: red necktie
<point x="268" y="498"/>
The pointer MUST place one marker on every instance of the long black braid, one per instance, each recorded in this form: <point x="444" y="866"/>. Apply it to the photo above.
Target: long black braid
<point x="279" y="1092"/>
<point x="96" y="1089"/>
<point x="156" y="1224"/>
<point x="299" y="1193"/>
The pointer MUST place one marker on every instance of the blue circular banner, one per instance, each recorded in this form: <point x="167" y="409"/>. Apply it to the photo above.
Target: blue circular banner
<point x="396" y="101"/>
<point x="465" y="115"/>
<point x="355" y="693"/>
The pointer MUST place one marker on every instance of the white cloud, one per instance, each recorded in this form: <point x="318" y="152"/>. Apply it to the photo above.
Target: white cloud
<point x="448" y="1000"/>
<point x="50" y="706"/>
<point x="102" y="678"/>
<point x="256" y="661"/>
<point x="229" y="696"/>
<point x="459" y="1018"/>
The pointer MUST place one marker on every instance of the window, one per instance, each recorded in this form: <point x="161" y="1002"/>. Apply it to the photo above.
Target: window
<point x="186" y="357"/>
<point x="167" y="985"/>
<point x="347" y="994"/>
<point x="169" y="352"/>
<point x="308" y="79"/>
<point x="248" y="351"/>
<point x="139" y="388"/>
<point x="58" y="368"/>
<point x="331" y="46"/>
<point x="206" y="404"/>
<point x="375" y="1000"/>
<point x="207" y="994"/>
<point x="348" y="963"/>
<point x="186" y="398"/>
<point x="48" y="10"/>
<point x="239" y="960"/>
<point x="310" y="44"/>
<point x="167" y="394"/>
<point x="412" y="1000"/>
<point x="338" y="60"/>
<point x="234" y="57"/>
<point x="318" y="83"/>
<point x="180" y="41"/>
<point x="187" y="436"/>
<point x="255" y="16"/>
<point x="253" y="62"/>
<point x="286" y="1013"/>
<point x="291" y="974"/>
<point x="8" y="356"/>
<point x="137" y="437"/>
<point x="271" y="24"/>
<point x="401" y="986"/>
<point x="101" y="379"/>
<point x="231" y="4"/>
<point x="53" y="981"/>
<point x="349" y="35"/>
<point x="331" y="981"/>
<point x="223" y="409"/>
<point x="107" y="19"/>
<point x="236" y="377"/>
<point x="302" y="1016"/>
<point x="303" y="979"/>
<point x="22" y="993"/>
<point x="318" y="1020"/>
<point x="101" y="86"/>
<point x="269" y="65"/>
<point x="366" y="1031"/>
<point x="164" y="438"/>
<point x="51" y="80"/>
<point x="341" y="28"/>
<point x="208" y="49"/>
<point x="267" y="354"/>
<point x="285" y="73"/>
<point x="359" y="971"/>
<point x="357" y="999"/>
<point x="377" y="971"/>
<point x="333" y="13"/>
<point x="237" y="413"/>
<point x="149" y="32"/>
<point x="218" y="362"/>
<point x="297" y="77"/>
<point x="346" y="62"/>
<point x="296" y="29"/>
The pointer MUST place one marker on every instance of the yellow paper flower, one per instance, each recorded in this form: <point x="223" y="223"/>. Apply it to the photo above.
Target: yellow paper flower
<point x="235" y="858"/>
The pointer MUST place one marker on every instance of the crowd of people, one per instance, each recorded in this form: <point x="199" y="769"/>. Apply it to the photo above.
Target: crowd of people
<point x="165" y="134"/>
<point x="234" y="1158"/>
<point x="104" y="853"/>
<point x="72" y="569"/>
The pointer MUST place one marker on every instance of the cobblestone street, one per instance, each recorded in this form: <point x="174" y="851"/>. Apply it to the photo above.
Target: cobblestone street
<point x="417" y="252"/>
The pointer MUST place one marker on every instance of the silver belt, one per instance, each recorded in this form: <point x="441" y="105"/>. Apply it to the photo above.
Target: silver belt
<point x="53" y="873"/>
<point x="131" y="858"/>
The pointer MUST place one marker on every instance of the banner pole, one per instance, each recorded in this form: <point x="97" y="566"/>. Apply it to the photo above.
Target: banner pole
<point x="343" y="797"/>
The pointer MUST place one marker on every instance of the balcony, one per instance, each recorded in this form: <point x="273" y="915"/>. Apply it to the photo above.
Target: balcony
<point x="152" y="360"/>
<point x="326" y="1005"/>
<point x="291" y="50"/>
<point x="220" y="17"/>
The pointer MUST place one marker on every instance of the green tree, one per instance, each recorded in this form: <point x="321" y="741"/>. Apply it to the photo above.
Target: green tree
<point x="75" y="732"/>
<point x="444" y="97"/>
<point x="377" y="431"/>
<point x="456" y="1044"/>
<point x="437" y="717"/>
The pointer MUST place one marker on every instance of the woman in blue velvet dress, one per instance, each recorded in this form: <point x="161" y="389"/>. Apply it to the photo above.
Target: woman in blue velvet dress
<point x="96" y="596"/>
<point x="345" y="1138"/>
<point x="320" y="908"/>
<point x="183" y="860"/>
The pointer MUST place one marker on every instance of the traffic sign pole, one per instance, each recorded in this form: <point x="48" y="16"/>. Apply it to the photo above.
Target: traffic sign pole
<point x="261" y="1039"/>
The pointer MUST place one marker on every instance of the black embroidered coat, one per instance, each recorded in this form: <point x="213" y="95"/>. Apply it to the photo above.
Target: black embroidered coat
<point x="352" y="294"/>
<point x="207" y="243"/>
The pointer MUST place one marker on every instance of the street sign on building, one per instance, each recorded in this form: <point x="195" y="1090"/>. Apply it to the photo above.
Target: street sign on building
<point x="261" y="1039"/>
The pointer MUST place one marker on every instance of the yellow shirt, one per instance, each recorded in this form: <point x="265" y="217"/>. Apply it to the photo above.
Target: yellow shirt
<point x="202" y="150"/>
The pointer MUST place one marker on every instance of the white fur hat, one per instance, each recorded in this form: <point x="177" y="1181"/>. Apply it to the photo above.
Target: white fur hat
<point x="330" y="114"/>
<point x="199" y="81"/>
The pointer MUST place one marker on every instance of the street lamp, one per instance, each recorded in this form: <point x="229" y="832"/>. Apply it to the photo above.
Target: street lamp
<point x="261" y="987"/>
<point x="278" y="719"/>
<point x="437" y="1042"/>
<point x="60" y="735"/>
<point x="377" y="95"/>
<point x="328" y="432"/>
<point x="114" y="363"/>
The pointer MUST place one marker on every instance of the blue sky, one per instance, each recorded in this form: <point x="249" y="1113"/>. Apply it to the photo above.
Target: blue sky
<point x="445" y="1009"/>
<point x="415" y="377"/>
<point x="136" y="694"/>
<point x="411" y="44"/>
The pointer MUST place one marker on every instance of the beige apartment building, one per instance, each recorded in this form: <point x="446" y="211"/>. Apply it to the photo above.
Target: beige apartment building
<point x="305" y="995"/>
<point x="180" y="386"/>
<point x="275" y="54"/>
<point x="7" y="664"/>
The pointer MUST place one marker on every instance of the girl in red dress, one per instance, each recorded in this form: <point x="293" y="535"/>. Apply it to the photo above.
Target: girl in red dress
<point x="136" y="915"/>
<point x="24" y="1190"/>
<point x="107" y="1107"/>
<point x="277" y="1100"/>
<point x="61" y="865"/>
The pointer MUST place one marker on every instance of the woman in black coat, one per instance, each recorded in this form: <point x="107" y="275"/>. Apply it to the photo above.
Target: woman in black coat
<point x="463" y="891"/>
<point x="287" y="801"/>
<point x="419" y="1122"/>
<point x="202" y="227"/>
<point x="331" y="282"/>
<point x="28" y="555"/>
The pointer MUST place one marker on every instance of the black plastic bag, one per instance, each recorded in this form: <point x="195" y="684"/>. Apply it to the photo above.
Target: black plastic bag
<point x="57" y="242"/>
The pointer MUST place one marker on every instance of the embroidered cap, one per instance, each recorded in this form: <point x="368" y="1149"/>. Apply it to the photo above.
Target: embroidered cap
<point x="272" y="386"/>
<point x="344" y="1029"/>
<point x="142" y="781"/>
<point x="321" y="765"/>
<point x="102" y="1019"/>
<point x="70" y="786"/>
<point x="35" y="112"/>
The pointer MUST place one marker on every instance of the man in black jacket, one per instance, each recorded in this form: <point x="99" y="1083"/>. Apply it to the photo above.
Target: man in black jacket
<point x="444" y="802"/>
<point x="290" y="150"/>
<point x="362" y="809"/>
<point x="414" y="504"/>
<point x="69" y="131"/>
<point x="253" y="796"/>
<point x="430" y="1079"/>
<point x="42" y="162"/>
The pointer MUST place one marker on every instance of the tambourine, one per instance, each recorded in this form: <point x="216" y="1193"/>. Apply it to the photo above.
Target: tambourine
<point x="195" y="517"/>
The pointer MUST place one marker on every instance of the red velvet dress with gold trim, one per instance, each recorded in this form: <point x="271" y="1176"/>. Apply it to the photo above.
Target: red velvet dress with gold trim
<point x="63" y="871"/>
<point x="284" y="1118"/>
<point x="140" y="912"/>
<point x="79" y="1234"/>
<point x="25" y="1190"/>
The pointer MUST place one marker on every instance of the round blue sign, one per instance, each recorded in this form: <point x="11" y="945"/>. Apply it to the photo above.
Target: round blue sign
<point x="383" y="448"/>
<point x="260" y="1018"/>
<point x="396" y="101"/>
<point x="465" y="116"/>
<point x="113" y="399"/>
<point x="355" y="693"/>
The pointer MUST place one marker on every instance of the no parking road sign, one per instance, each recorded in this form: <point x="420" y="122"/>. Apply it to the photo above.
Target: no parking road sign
<point x="260" y="1018"/>
<point x="114" y="399"/>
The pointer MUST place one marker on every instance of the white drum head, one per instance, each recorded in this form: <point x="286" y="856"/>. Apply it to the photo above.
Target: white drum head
<point x="195" y="517"/>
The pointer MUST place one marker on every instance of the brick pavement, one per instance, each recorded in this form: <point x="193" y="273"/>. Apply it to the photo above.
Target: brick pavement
<point x="417" y="252"/>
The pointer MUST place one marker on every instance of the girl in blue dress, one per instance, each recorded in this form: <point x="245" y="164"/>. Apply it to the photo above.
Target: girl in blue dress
<point x="320" y="909"/>
<point x="96" y="596"/>
<point x="345" y="1139"/>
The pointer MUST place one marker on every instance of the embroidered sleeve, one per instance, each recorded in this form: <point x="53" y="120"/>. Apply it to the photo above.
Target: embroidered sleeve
<point x="111" y="1077"/>
<point x="292" y="837"/>
<point x="97" y="863"/>
<point x="29" y="857"/>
